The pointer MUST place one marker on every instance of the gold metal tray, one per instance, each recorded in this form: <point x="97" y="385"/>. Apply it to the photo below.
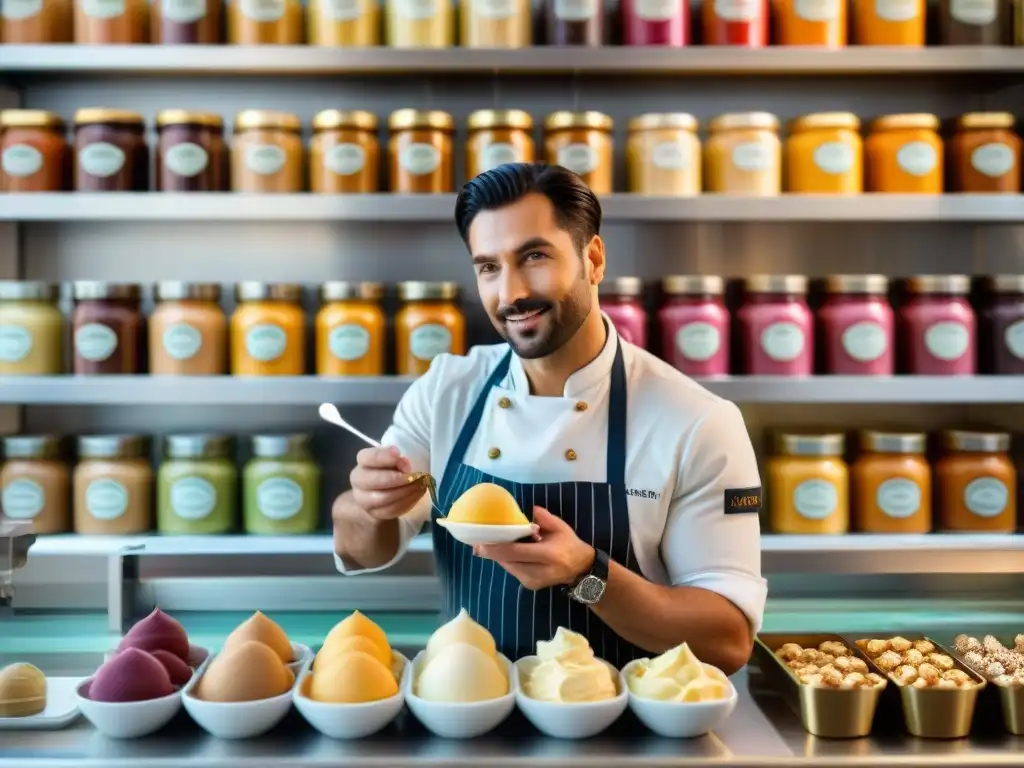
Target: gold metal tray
<point x="1011" y="698"/>
<point x="825" y="712"/>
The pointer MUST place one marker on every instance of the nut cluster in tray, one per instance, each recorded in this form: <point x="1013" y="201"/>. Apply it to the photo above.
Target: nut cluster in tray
<point x="992" y="659"/>
<point x="916" y="662"/>
<point x="831" y="665"/>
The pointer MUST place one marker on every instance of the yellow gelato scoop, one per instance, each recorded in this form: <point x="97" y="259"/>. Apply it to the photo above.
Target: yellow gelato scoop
<point x="352" y="626"/>
<point x="566" y="670"/>
<point x="352" y="678"/>
<point x="677" y="675"/>
<point x="486" y="504"/>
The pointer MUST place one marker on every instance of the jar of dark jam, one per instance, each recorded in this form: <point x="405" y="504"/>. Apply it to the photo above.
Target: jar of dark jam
<point x="108" y="328"/>
<point x="180" y="22"/>
<point x="976" y="22"/>
<point x="1001" y="340"/>
<point x="574" y="22"/>
<point x="190" y="152"/>
<point x="110" y="151"/>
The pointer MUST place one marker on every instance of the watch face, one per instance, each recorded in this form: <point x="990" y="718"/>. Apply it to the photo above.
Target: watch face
<point x="590" y="590"/>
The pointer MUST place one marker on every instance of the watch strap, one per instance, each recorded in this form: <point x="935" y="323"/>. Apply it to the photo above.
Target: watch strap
<point x="598" y="569"/>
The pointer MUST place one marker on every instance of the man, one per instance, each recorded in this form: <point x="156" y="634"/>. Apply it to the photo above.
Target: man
<point x="642" y="486"/>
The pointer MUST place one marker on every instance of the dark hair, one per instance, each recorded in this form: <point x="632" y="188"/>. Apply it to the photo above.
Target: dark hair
<point x="577" y="209"/>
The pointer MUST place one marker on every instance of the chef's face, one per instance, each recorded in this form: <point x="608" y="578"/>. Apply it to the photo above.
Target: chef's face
<point x="535" y="285"/>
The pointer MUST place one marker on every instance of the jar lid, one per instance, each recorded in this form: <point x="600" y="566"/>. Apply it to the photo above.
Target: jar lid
<point x="98" y="290"/>
<point x="985" y="121"/>
<point x="28" y="290"/>
<point x="873" y="285"/>
<point x="830" y="444"/>
<point x="330" y="119"/>
<point x="732" y="121"/>
<point x="418" y="290"/>
<point x="693" y="285"/>
<point x="340" y="290"/>
<point x="894" y="442"/>
<point x="621" y="286"/>
<point x="564" y="119"/>
<point x="252" y="290"/>
<point x="682" y="121"/>
<point x="166" y="117"/>
<point x="180" y="290"/>
<point x="963" y="441"/>
<point x="94" y="115"/>
<point x="817" y="120"/>
<point x="40" y="447"/>
<point x="113" y="446"/>
<point x="281" y="446"/>
<point x="407" y="119"/>
<point x="197" y="446"/>
<point x="993" y="283"/>
<point x="921" y="120"/>
<point x="250" y="119"/>
<point x="776" y="284"/>
<point x="30" y="118"/>
<point x="955" y="284"/>
<point x="499" y="118"/>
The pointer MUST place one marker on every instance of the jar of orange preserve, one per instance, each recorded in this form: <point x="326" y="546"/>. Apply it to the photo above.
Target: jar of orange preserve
<point x="977" y="483"/>
<point x="892" y="484"/>
<point x="808" y="484"/>
<point x="824" y="154"/>
<point x="810" y="22"/>
<point x="350" y="330"/>
<point x="428" y="324"/>
<point x="268" y="330"/>
<point x="904" y="155"/>
<point x="889" y="22"/>
<point x="984" y="154"/>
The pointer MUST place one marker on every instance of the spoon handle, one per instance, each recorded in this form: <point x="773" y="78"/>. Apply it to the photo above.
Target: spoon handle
<point x="330" y="414"/>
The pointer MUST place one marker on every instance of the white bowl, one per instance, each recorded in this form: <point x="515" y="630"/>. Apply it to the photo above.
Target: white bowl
<point x="680" y="719"/>
<point x="349" y="721"/>
<point x="130" y="719"/>
<point x="303" y="655"/>
<point x="235" y="719"/>
<point x="459" y="720"/>
<point x="475" y="533"/>
<point x="570" y="720"/>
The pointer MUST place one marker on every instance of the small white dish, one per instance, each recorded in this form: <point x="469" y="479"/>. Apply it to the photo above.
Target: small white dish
<point x="61" y="708"/>
<point x="570" y="720"/>
<point x="475" y="533"/>
<point x="303" y="656"/>
<point x="129" y="719"/>
<point x="351" y="721"/>
<point x="680" y="719"/>
<point x="459" y="720"/>
<point x="235" y="719"/>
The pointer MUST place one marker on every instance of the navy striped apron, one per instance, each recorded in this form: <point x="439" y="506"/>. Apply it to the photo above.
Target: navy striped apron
<point x="516" y="616"/>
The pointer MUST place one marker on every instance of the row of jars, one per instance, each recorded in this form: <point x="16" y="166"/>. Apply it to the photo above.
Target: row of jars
<point x="111" y="489"/>
<point x="891" y="486"/>
<point x="188" y="333"/>
<point x="498" y="24"/>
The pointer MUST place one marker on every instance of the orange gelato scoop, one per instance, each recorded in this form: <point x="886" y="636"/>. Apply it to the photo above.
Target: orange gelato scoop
<point x="249" y="671"/>
<point x="487" y="504"/>
<point x="261" y="629"/>
<point x="351" y="644"/>
<point x="352" y="678"/>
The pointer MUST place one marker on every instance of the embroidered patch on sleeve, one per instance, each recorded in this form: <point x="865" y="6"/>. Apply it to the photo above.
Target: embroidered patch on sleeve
<point x="740" y="501"/>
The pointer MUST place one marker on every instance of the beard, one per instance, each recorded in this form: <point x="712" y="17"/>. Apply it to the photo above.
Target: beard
<point x="551" y="327"/>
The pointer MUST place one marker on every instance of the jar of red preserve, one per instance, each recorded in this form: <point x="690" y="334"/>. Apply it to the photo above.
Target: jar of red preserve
<point x="856" y="326"/>
<point x="695" y="325"/>
<point x="938" y="326"/>
<point x="736" y="22"/>
<point x="656" y="22"/>
<point x="621" y="298"/>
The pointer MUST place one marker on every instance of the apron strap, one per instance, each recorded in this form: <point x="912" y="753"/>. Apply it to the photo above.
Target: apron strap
<point x="617" y="403"/>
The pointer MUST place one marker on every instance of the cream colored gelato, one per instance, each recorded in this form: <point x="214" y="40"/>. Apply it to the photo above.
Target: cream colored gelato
<point x="461" y="664"/>
<point x="566" y="670"/>
<point x="677" y="675"/>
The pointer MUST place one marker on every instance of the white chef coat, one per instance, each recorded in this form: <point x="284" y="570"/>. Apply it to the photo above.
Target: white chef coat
<point x="686" y="448"/>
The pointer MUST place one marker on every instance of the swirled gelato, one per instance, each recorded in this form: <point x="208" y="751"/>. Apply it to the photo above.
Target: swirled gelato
<point x="677" y="675"/>
<point x="566" y="670"/>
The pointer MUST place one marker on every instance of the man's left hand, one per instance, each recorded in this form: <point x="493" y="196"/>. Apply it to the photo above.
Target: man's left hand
<point x="557" y="556"/>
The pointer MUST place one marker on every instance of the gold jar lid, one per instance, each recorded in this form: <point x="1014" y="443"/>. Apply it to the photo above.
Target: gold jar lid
<point x="198" y="447"/>
<point x="30" y="118"/>
<point x="418" y="290"/>
<point x="916" y="120"/>
<point x="590" y="120"/>
<point x="681" y="121"/>
<point x="818" y="120"/>
<point x="254" y="119"/>
<point x="872" y="285"/>
<point x="296" y="446"/>
<point x="99" y="290"/>
<point x="964" y="441"/>
<point x="796" y="284"/>
<point x="985" y="121"/>
<point x="28" y="290"/>
<point x="333" y="119"/>
<point x="168" y="117"/>
<point x="693" y="285"/>
<point x="344" y="290"/>
<point x="33" y="447"/>
<point x="253" y="290"/>
<point x="621" y="286"/>
<point x="410" y="119"/>
<point x="483" y="119"/>
<point x="958" y="285"/>
<point x="98" y="115"/>
<point x="827" y="444"/>
<point x="992" y="283"/>
<point x="180" y="290"/>
<point x="894" y="442"/>
<point x="113" y="446"/>
<point x="733" y="121"/>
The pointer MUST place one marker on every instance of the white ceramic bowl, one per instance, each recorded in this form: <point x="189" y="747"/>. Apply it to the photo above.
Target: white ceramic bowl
<point x="474" y="533"/>
<point x="459" y="720"/>
<point x="570" y="720"/>
<point x="303" y="657"/>
<point x="349" y="721"/>
<point x="130" y="719"/>
<point x="680" y="719"/>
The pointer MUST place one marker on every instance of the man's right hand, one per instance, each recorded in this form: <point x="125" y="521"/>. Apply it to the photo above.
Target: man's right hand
<point x="380" y="483"/>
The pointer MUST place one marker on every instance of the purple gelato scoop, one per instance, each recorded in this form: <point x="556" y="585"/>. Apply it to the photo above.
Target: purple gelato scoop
<point x="157" y="632"/>
<point x="180" y="672"/>
<point x="131" y="675"/>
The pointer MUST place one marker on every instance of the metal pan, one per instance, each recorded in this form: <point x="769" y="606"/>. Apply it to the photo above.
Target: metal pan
<point x="1011" y="697"/>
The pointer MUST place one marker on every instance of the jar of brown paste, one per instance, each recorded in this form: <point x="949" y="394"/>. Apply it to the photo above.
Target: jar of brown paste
<point x="976" y="22"/>
<point x="111" y="22"/>
<point x="108" y="328"/>
<point x="265" y="22"/>
<point x="575" y="22"/>
<point x="266" y="152"/>
<point x="36" y="22"/>
<point x="190" y="154"/>
<point x="583" y="143"/>
<point x="182" y="22"/>
<point x="188" y="330"/>
<point x="344" y="154"/>
<point x="35" y="482"/>
<point x="496" y="137"/>
<point x="110" y="151"/>
<point x="113" y="485"/>
<point x="984" y="154"/>
<point x="420" y="150"/>
<point x="34" y="155"/>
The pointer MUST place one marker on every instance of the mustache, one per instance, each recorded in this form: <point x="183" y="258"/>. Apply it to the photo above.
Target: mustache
<point x="522" y="306"/>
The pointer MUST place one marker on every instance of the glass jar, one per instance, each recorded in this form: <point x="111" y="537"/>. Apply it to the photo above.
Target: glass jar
<point x="904" y="155"/>
<point x="743" y="155"/>
<point x="428" y="324"/>
<point x="889" y="22"/>
<point x="188" y="330"/>
<point x="892" y="484"/>
<point x="111" y="22"/>
<point x="984" y="154"/>
<point x="281" y="486"/>
<point x="265" y="22"/>
<point x="583" y="143"/>
<point x="938" y="326"/>
<point x="31" y="329"/>
<point x="36" y="22"/>
<point x="1001" y="339"/>
<point x="496" y="137"/>
<point x="777" y="328"/>
<point x="197" y="485"/>
<point x="34" y="155"/>
<point x="344" y="154"/>
<point x="419" y="23"/>
<point x="343" y="23"/>
<point x="191" y="155"/>
<point x="111" y="154"/>
<point x="350" y="330"/>
<point x="574" y="22"/>
<point x="35" y="482"/>
<point x="976" y="22"/>
<point x="496" y="23"/>
<point x="695" y="325"/>
<point x="183" y="22"/>
<point x="420" y="151"/>
<point x="108" y="328"/>
<point x="113" y="485"/>
<point x="266" y="152"/>
<point x="856" y="326"/>
<point x="825" y="155"/>
<point x="656" y="22"/>
<point x="809" y="484"/>
<point x="663" y="155"/>
<point x="976" y="483"/>
<point x="810" y="22"/>
<point x="622" y="300"/>
<point x="268" y="330"/>
<point x="736" y="22"/>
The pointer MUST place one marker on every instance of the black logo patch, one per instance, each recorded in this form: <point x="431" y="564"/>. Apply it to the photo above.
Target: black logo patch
<point x="740" y="501"/>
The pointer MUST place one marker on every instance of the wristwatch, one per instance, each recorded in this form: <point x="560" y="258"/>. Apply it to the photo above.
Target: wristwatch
<point x="589" y="588"/>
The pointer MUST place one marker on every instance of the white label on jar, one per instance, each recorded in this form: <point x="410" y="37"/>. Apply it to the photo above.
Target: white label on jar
<point x="497" y="153"/>
<point x="193" y="498"/>
<point x="978" y="12"/>
<point x="1014" y="339"/>
<point x="752" y="157"/>
<point x="918" y="158"/>
<point x="898" y="497"/>
<point x="349" y="342"/>
<point x="181" y="341"/>
<point x="106" y="499"/>
<point x="417" y="9"/>
<point x="95" y="342"/>
<point x="279" y="498"/>
<point x="429" y="340"/>
<point x="21" y="160"/>
<point x="262" y="10"/>
<point x="420" y="159"/>
<point x="16" y="10"/>
<point x="183" y="11"/>
<point x="576" y="10"/>
<point x="670" y="156"/>
<point x="864" y="341"/>
<point x="698" y="341"/>
<point x="495" y="9"/>
<point x="22" y="499"/>
<point x="783" y="342"/>
<point x="266" y="342"/>
<point x="345" y="159"/>
<point x="947" y="340"/>
<point x="15" y="343"/>
<point x="342" y="10"/>
<point x="264" y="159"/>
<point x="986" y="496"/>
<point x="186" y="159"/>
<point x="815" y="499"/>
<point x="993" y="160"/>
<point x="833" y="157"/>
<point x="896" y="10"/>
<point x="578" y="158"/>
<point x="736" y="10"/>
<point x="101" y="159"/>
<point x="817" y="10"/>
<point x="103" y="9"/>
<point x="656" y="10"/>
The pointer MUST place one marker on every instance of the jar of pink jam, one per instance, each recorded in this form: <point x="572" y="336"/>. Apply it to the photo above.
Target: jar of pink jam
<point x="776" y="327"/>
<point x="856" y="326"/>
<point x="695" y="325"/>
<point x="656" y="22"/>
<point x="621" y="298"/>
<point x="938" y="327"/>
